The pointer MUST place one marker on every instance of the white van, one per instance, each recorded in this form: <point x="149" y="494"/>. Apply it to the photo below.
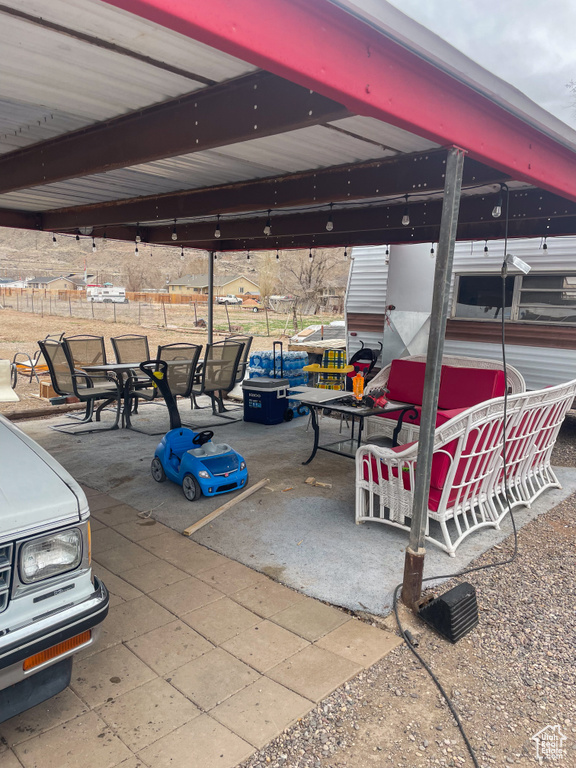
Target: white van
<point x="50" y="602"/>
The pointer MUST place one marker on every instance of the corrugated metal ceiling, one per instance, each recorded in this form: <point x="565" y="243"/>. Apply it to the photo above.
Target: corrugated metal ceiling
<point x="300" y="150"/>
<point x="74" y="83"/>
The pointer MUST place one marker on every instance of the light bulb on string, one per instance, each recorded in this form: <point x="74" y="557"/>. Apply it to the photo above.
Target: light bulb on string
<point x="345" y="251"/>
<point x="387" y="252"/>
<point x="432" y="250"/>
<point x="268" y="227"/>
<point x="138" y="237"/>
<point x="135" y="249"/>
<point x="485" y="246"/>
<point x="93" y="245"/>
<point x="544" y="245"/>
<point x="310" y="254"/>
<point x="497" y="210"/>
<point x="247" y="255"/>
<point x="215" y="256"/>
<point x="182" y="253"/>
<point x="77" y="237"/>
<point x="174" y="234"/>
<point x="54" y="241"/>
<point x="330" y="223"/>
<point x="217" y="232"/>
<point x="277" y="254"/>
<point x="406" y="215"/>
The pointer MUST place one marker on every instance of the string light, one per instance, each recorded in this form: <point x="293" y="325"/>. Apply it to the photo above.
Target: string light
<point x="485" y="246"/>
<point x="277" y="254"/>
<point x="268" y="227"/>
<point x="54" y="241"/>
<point x="77" y="237"/>
<point x="174" y="234"/>
<point x="138" y="237"/>
<point x="330" y="223"/>
<point x="544" y="245"/>
<point x="497" y="210"/>
<point x="93" y="245"/>
<point x="135" y="249"/>
<point x="431" y="250"/>
<point x="182" y="252"/>
<point x="406" y="215"/>
<point x="247" y="255"/>
<point x="217" y="232"/>
<point x="215" y="256"/>
<point x="387" y="250"/>
<point x="345" y="251"/>
<point x="310" y="254"/>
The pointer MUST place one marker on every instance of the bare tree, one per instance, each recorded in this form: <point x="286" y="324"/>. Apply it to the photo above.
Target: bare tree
<point x="267" y="276"/>
<point x="305" y="274"/>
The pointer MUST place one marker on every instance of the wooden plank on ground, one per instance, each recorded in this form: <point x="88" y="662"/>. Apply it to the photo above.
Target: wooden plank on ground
<point x="217" y="512"/>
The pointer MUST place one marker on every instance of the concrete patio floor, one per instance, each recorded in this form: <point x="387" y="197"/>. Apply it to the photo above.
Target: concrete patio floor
<point x="302" y="536"/>
<point x="200" y="661"/>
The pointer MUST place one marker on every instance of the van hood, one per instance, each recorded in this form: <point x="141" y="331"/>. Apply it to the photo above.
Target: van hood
<point x="36" y="492"/>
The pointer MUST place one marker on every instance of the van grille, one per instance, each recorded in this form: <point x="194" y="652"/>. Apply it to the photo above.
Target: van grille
<point x="5" y="574"/>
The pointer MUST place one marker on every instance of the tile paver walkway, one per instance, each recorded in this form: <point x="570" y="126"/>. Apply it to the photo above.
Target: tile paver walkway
<point x="200" y="662"/>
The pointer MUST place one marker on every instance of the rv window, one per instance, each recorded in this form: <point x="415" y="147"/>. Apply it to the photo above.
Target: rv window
<point x="480" y="297"/>
<point x="548" y="299"/>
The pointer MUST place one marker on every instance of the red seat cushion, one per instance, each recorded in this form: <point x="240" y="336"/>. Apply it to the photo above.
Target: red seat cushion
<point x="464" y="387"/>
<point x="406" y="381"/>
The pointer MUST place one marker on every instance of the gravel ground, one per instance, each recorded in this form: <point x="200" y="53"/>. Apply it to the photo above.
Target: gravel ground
<point x="509" y="678"/>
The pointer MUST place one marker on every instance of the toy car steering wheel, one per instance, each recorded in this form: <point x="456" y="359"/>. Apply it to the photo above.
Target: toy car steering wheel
<point x="203" y="437"/>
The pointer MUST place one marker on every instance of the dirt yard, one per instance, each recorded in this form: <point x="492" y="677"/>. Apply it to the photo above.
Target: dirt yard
<point x="20" y="331"/>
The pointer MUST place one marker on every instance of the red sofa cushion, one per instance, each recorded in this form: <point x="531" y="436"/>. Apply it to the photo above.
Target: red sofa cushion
<point x="406" y="381"/>
<point x="464" y="387"/>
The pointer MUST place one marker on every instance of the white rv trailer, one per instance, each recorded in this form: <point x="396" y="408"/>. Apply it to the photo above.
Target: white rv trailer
<point x="107" y="294"/>
<point x="540" y="306"/>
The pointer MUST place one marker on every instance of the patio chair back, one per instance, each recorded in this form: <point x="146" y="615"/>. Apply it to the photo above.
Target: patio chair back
<point x="86" y="350"/>
<point x="130" y="348"/>
<point x="244" y="357"/>
<point x="221" y="366"/>
<point x="181" y="374"/>
<point x="58" y="366"/>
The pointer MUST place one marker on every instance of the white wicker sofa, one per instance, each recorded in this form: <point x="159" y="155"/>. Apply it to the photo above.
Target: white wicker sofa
<point x="407" y="383"/>
<point x="467" y="489"/>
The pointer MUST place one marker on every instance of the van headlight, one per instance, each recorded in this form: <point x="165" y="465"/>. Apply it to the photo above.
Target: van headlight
<point x="51" y="555"/>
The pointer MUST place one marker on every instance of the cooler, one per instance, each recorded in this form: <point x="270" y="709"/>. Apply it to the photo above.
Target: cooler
<point x="266" y="400"/>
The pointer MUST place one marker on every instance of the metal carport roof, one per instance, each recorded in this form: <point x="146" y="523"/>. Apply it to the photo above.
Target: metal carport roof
<point x="118" y="118"/>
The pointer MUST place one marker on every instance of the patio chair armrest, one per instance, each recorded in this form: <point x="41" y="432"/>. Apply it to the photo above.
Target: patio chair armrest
<point x="408" y="452"/>
<point x="108" y="375"/>
<point x="31" y="362"/>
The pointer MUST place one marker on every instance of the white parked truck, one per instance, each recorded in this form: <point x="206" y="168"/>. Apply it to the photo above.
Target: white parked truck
<point x="229" y="299"/>
<point x="109" y="294"/>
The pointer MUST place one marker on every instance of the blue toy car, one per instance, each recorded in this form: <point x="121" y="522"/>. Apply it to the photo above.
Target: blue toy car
<point x="190" y="458"/>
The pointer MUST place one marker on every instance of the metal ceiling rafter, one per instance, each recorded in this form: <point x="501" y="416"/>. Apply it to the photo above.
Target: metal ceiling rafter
<point x="348" y="61"/>
<point x="420" y="172"/>
<point x="248" y="107"/>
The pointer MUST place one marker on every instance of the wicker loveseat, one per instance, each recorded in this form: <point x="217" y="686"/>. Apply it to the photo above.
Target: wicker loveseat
<point x="465" y="381"/>
<point x="467" y="488"/>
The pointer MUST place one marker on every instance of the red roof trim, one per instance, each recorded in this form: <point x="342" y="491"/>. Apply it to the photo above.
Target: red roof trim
<point x="321" y="47"/>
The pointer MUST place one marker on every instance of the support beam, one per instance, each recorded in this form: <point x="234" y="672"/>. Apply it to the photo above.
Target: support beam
<point x="249" y="107"/>
<point x="210" y="297"/>
<point x="414" y="562"/>
<point x="324" y="48"/>
<point x="386" y="177"/>
<point x="20" y="219"/>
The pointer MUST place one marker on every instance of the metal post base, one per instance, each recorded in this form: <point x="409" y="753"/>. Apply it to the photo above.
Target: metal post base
<point x="413" y="572"/>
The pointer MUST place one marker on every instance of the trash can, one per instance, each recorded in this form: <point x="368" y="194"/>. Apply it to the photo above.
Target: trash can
<point x="266" y="400"/>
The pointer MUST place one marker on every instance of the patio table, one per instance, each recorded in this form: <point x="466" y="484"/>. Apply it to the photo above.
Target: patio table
<point x="121" y="370"/>
<point x="331" y="400"/>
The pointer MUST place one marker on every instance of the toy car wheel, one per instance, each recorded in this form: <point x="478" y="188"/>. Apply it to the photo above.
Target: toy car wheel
<point x="157" y="470"/>
<point x="191" y="487"/>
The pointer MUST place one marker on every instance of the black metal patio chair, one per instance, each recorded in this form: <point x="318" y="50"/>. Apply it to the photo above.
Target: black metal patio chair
<point x="217" y="374"/>
<point x="68" y="381"/>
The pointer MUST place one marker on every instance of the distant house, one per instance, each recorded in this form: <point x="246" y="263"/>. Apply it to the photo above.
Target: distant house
<point x="223" y="285"/>
<point x="51" y="283"/>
